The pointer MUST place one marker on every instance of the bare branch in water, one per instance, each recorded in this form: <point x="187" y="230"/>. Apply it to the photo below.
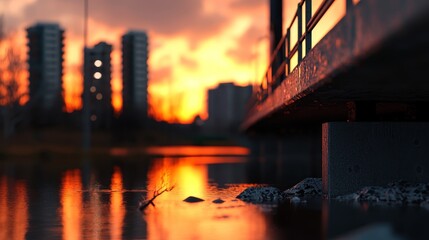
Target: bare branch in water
<point x="144" y="203"/>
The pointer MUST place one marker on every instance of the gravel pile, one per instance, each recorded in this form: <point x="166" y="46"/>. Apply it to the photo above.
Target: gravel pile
<point x="397" y="193"/>
<point x="261" y="194"/>
<point x="307" y="187"/>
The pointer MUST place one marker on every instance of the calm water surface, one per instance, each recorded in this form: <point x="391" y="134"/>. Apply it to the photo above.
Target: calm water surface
<point x="98" y="199"/>
<point x="50" y="198"/>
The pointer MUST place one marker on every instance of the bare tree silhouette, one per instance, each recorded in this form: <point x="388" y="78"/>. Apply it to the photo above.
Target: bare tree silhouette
<point x="10" y="97"/>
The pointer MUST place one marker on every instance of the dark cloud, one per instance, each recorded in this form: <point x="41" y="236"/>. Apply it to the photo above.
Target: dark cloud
<point x="11" y="23"/>
<point x="69" y="14"/>
<point x="163" y="17"/>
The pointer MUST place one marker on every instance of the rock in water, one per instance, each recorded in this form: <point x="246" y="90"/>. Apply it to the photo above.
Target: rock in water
<point x="192" y="199"/>
<point x="218" y="201"/>
<point x="261" y="194"/>
<point x="308" y="186"/>
<point x="295" y="200"/>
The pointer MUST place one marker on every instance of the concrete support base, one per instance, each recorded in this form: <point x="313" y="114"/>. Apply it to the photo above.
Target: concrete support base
<point x="361" y="154"/>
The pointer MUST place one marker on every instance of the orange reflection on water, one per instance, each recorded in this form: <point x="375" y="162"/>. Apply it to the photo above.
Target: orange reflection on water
<point x="197" y="150"/>
<point x="20" y="215"/>
<point x="172" y="218"/>
<point x="165" y="222"/>
<point x="3" y="208"/>
<point x="117" y="209"/>
<point x="192" y="179"/>
<point x="88" y="219"/>
<point x="187" y="177"/>
<point x="94" y="215"/>
<point x="71" y="202"/>
<point x="13" y="209"/>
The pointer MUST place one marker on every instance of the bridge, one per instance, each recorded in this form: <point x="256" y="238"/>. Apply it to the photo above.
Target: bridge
<point x="364" y="84"/>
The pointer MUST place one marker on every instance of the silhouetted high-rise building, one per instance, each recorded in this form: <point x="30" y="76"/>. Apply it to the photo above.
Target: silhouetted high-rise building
<point x="226" y="106"/>
<point x="97" y="82"/>
<point x="135" y="77"/>
<point x="45" y="61"/>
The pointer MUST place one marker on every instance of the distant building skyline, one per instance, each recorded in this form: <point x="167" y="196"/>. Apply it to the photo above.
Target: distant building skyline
<point x="135" y="76"/>
<point x="209" y="40"/>
<point x="98" y="76"/>
<point x="226" y="106"/>
<point x="45" y="62"/>
<point x="134" y="92"/>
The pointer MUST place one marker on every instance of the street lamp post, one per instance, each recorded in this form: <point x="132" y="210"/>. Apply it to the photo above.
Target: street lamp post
<point x="85" y="27"/>
<point x="85" y="105"/>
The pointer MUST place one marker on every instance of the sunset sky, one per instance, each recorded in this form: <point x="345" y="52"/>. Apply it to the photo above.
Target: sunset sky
<point x="193" y="44"/>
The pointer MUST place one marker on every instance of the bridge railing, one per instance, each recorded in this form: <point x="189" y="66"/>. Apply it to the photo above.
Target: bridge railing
<point x="294" y="45"/>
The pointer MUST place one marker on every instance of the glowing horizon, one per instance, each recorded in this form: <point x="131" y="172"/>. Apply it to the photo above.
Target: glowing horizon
<point x="193" y="46"/>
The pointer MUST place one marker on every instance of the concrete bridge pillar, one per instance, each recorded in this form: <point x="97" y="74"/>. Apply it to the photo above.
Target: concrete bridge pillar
<point x="358" y="154"/>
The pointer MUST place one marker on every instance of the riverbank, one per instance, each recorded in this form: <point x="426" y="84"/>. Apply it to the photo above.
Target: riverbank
<point x="68" y="143"/>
